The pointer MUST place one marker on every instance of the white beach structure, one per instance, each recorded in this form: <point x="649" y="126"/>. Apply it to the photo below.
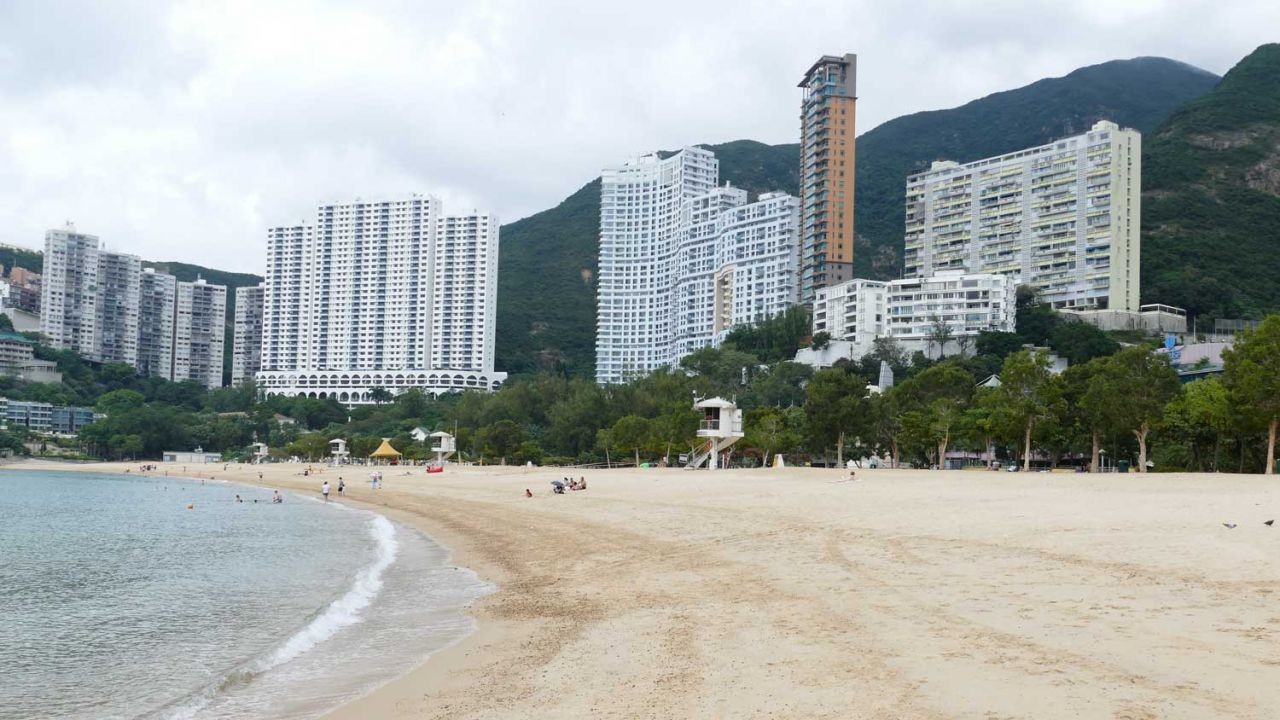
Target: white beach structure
<point x="338" y="449"/>
<point x="722" y="426"/>
<point x="445" y="445"/>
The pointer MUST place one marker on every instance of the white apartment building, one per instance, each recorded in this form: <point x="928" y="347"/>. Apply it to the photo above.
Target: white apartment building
<point x="1064" y="217"/>
<point x="246" y="348"/>
<point x="911" y="310"/>
<point x="199" y="327"/>
<point x="853" y="311"/>
<point x="157" y="302"/>
<point x="683" y="262"/>
<point x="68" y="296"/>
<point x="119" y="285"/>
<point x="388" y="294"/>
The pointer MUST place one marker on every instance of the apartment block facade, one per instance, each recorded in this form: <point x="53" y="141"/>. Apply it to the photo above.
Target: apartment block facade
<point x="683" y="262"/>
<point x="246" y="350"/>
<point x="389" y="294"/>
<point x="68" y="293"/>
<point x="157" y="303"/>
<point x="1063" y="217"/>
<point x="913" y="310"/>
<point x="199" y="332"/>
<point x="828" y="155"/>
<point x="118" y="298"/>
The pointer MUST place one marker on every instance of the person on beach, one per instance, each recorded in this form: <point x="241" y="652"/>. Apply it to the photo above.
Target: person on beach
<point x="238" y="499"/>
<point x="276" y="497"/>
<point x="341" y="486"/>
<point x="324" y="490"/>
<point x="528" y="493"/>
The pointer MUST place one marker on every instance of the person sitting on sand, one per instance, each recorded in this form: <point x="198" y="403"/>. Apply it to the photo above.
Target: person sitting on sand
<point x="582" y="484"/>
<point x="528" y="493"/>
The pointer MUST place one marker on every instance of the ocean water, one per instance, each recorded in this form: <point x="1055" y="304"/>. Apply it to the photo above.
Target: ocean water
<point x="118" y="602"/>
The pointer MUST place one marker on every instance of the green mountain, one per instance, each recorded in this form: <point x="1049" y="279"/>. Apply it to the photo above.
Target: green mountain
<point x="1211" y="197"/>
<point x="547" y="263"/>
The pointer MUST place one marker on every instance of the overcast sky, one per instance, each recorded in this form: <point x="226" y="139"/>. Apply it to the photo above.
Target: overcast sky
<point x="180" y="131"/>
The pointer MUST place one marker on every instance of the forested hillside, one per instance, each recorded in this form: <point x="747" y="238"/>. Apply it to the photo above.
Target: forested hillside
<point x="1211" y="206"/>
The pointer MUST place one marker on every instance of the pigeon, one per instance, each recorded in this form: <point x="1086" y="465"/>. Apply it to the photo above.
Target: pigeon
<point x="1229" y="526"/>
<point x="1268" y="523"/>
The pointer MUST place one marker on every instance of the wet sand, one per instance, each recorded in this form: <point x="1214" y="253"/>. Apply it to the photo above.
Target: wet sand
<point x="792" y="593"/>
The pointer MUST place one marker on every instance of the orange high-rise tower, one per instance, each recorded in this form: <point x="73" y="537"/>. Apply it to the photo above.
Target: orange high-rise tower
<point x="827" y="159"/>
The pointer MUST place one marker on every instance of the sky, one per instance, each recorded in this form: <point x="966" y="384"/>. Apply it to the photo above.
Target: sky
<point x="183" y="130"/>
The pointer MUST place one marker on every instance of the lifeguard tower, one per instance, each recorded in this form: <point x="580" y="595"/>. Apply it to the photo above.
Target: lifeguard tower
<point x="721" y="424"/>
<point x="260" y="453"/>
<point x="338" y="449"/>
<point x="444" y="446"/>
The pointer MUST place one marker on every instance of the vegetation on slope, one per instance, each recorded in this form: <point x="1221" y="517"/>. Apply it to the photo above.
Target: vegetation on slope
<point x="1211" y="201"/>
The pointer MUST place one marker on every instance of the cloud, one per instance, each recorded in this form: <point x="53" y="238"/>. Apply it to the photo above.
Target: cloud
<point x="181" y="131"/>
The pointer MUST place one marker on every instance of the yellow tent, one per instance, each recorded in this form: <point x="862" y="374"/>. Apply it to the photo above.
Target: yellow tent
<point x="385" y="452"/>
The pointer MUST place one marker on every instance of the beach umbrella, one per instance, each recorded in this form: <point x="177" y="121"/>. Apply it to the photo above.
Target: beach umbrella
<point x="557" y="483"/>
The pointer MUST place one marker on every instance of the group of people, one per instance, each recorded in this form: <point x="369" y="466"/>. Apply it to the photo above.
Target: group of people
<point x="559" y="486"/>
<point x="324" y="489"/>
<point x="276" y="498"/>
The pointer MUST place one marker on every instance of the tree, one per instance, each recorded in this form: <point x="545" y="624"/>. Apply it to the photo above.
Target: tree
<point x="6" y="325"/>
<point x="1035" y="320"/>
<point x="834" y="408"/>
<point x="1138" y="383"/>
<point x="380" y="395"/>
<point x="118" y="402"/>
<point x="1080" y="342"/>
<point x="502" y="438"/>
<point x="1201" y="414"/>
<point x="820" y="340"/>
<point x="677" y="426"/>
<point x="1252" y="376"/>
<point x="1090" y="403"/>
<point x="998" y="344"/>
<point x="935" y="400"/>
<point x="630" y="434"/>
<point x="772" y="430"/>
<point x="940" y="334"/>
<point x="1027" y="395"/>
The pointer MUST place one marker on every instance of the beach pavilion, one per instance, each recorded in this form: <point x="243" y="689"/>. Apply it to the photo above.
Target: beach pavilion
<point x="385" y="453"/>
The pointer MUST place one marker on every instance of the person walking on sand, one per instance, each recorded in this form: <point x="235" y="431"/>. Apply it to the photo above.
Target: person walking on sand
<point x="324" y="490"/>
<point x="341" y="486"/>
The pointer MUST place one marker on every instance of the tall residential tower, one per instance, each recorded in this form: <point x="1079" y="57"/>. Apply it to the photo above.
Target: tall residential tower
<point x="1062" y="217"/>
<point x="380" y="294"/>
<point x="683" y="262"/>
<point x="246" y="348"/>
<point x="827" y="161"/>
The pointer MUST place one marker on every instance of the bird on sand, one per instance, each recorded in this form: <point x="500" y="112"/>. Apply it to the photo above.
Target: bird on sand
<point x="1229" y="526"/>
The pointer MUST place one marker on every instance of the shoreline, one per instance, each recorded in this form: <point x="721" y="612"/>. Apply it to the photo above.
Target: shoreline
<point x="792" y="593"/>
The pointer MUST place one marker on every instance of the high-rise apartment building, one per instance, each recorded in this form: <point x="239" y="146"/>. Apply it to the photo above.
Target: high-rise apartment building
<point x="68" y="295"/>
<point x="119" y="284"/>
<point x="388" y="294"/>
<point x="828" y="112"/>
<point x="246" y="348"/>
<point x="157" y="302"/>
<point x="683" y="262"/>
<point x="1062" y="217"/>
<point x="199" y="329"/>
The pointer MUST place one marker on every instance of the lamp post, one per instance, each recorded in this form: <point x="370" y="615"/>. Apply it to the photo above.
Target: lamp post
<point x="1102" y="459"/>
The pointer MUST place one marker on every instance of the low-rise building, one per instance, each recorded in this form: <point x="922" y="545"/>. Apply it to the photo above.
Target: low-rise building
<point x="936" y="315"/>
<point x="46" y="417"/>
<point x="17" y="359"/>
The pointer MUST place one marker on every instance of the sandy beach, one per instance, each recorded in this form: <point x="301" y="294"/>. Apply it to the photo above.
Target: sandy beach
<point x="794" y="593"/>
